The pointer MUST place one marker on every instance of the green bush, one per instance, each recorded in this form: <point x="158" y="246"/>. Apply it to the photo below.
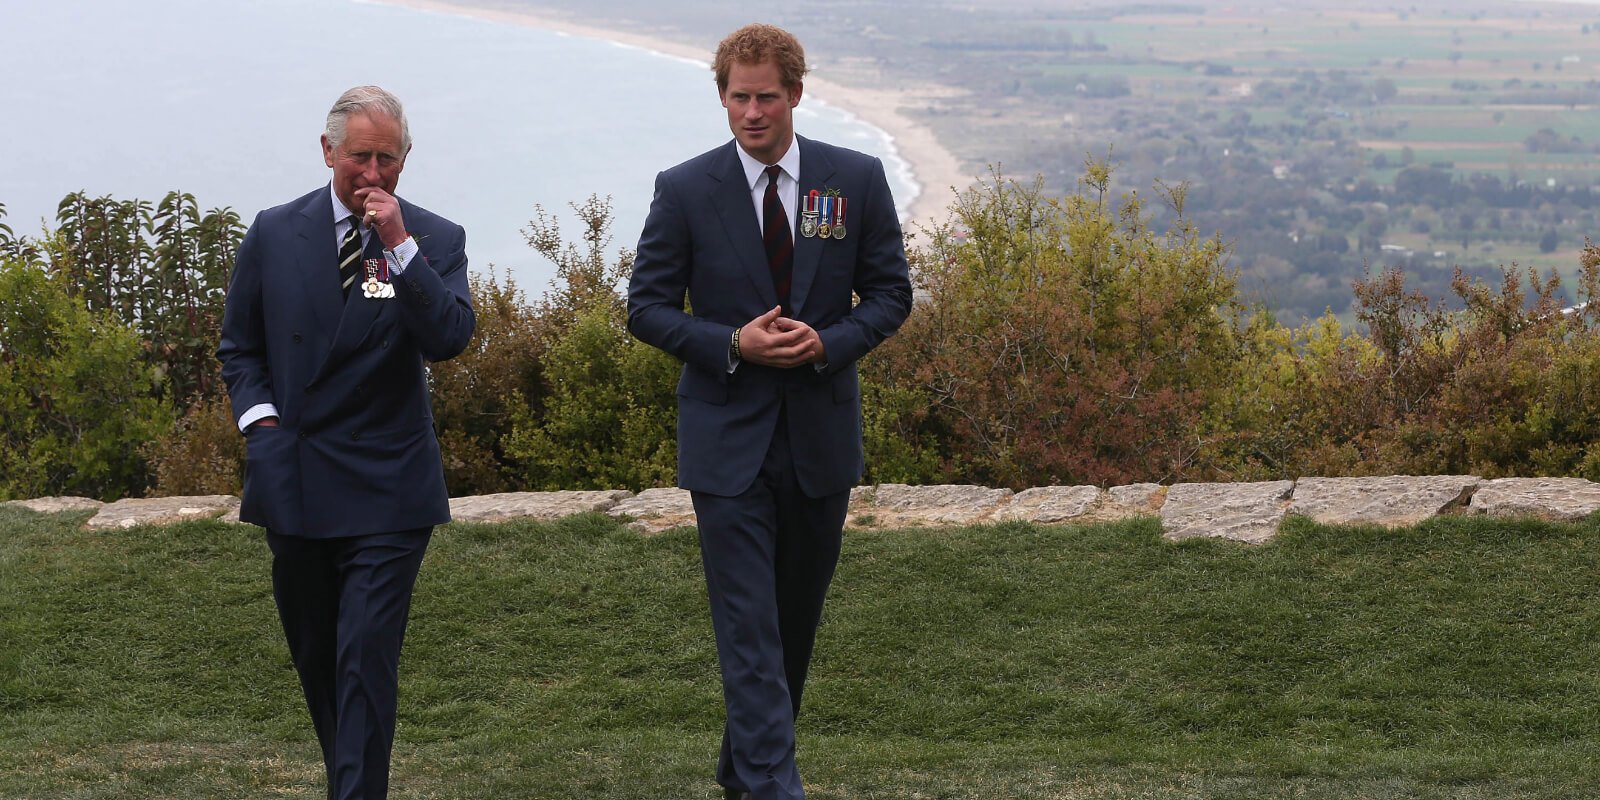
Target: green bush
<point x="160" y="269"/>
<point x="1508" y="385"/>
<point x="480" y="393"/>
<point x="202" y="454"/>
<point x="77" y="399"/>
<point x="1055" y="340"/>
<point x="609" y="412"/>
<point x="1059" y="341"/>
<point x="606" y="413"/>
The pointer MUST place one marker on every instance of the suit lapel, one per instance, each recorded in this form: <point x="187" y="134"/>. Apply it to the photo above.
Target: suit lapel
<point x="316" y="254"/>
<point x="815" y="172"/>
<point x="730" y="196"/>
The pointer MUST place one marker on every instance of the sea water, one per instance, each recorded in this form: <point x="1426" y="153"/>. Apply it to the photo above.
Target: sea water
<point x="226" y="101"/>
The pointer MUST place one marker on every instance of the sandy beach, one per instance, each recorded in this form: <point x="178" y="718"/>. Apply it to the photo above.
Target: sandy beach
<point x="937" y="172"/>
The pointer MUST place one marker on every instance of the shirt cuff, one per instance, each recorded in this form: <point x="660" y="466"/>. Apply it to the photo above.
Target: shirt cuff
<point x="401" y="256"/>
<point x="259" y="411"/>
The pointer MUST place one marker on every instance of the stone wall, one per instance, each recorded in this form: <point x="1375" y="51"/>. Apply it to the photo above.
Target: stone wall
<point x="1246" y="512"/>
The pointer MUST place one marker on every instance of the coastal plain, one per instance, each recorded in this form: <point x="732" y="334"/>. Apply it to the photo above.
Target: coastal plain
<point x="1290" y="123"/>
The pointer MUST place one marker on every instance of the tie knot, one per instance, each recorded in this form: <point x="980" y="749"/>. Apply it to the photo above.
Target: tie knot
<point x="772" y="174"/>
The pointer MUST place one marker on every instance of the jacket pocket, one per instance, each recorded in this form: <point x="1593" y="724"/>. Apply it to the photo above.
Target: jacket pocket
<point x="271" y="480"/>
<point x="845" y="386"/>
<point x="696" y="383"/>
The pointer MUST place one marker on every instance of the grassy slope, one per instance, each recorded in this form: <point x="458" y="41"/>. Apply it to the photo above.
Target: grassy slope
<point x="1458" y="659"/>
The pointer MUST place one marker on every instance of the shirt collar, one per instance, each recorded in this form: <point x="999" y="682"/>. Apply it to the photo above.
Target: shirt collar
<point x="790" y="163"/>
<point x="339" y="211"/>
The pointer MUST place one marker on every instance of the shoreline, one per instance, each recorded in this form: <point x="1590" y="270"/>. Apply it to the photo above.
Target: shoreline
<point x="935" y="171"/>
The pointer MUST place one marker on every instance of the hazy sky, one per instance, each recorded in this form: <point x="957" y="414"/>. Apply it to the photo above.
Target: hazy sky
<point x="226" y="101"/>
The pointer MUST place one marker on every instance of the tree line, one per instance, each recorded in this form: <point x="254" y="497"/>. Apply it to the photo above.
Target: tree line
<point x="1085" y="338"/>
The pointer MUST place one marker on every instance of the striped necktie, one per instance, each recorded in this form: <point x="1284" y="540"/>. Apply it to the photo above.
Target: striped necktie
<point x="777" y="238"/>
<point x="350" y="256"/>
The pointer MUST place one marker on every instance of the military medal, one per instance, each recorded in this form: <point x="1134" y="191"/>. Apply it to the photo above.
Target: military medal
<point x="838" y="223"/>
<point x="808" y="215"/>
<point x="825" y="227"/>
<point x="374" y="287"/>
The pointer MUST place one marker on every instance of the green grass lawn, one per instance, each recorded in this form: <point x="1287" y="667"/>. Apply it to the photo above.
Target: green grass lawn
<point x="1459" y="659"/>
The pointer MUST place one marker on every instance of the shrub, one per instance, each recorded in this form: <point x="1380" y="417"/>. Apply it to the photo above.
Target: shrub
<point x="479" y="394"/>
<point x="606" y="412"/>
<point x="609" y="414"/>
<point x="1508" y="385"/>
<point x="76" y="400"/>
<point x="1062" y="341"/>
<point x="202" y="454"/>
<point x="160" y="269"/>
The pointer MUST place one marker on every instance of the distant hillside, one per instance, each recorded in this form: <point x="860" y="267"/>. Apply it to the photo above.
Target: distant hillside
<point x="1295" y="125"/>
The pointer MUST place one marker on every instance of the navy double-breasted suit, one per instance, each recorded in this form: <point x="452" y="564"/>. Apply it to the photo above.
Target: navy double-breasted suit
<point x="349" y="484"/>
<point x="769" y="454"/>
<point x="355" y="451"/>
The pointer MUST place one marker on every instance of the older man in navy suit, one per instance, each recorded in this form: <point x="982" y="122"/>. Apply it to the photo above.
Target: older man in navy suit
<point x="338" y="300"/>
<point x="772" y="237"/>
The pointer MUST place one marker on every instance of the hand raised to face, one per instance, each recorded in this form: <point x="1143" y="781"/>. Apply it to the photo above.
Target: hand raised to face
<point x="381" y="212"/>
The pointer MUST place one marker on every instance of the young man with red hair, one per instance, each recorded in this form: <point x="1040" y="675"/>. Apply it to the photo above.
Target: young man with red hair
<point x="770" y="236"/>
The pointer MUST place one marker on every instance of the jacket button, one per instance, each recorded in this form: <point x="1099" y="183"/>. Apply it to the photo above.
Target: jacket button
<point x="296" y="338"/>
<point x="302" y="434"/>
<point x="385" y="344"/>
<point x="355" y="437"/>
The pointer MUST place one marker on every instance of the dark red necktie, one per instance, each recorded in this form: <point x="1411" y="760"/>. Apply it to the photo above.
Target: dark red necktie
<point x="775" y="235"/>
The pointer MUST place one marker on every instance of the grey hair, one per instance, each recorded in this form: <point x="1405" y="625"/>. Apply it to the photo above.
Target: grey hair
<point x="366" y="100"/>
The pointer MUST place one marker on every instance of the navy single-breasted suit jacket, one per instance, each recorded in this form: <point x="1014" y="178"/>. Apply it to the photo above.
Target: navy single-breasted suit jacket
<point x="354" y="452"/>
<point x="702" y="239"/>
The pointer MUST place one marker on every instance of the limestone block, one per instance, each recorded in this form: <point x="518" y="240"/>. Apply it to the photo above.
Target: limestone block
<point x="1052" y="504"/>
<point x="656" y="510"/>
<point x="161" y="510"/>
<point x="532" y="505"/>
<point x="1393" y="501"/>
<point x="54" y="505"/>
<point x="1245" y="512"/>
<point x="1545" y="498"/>
<point x="1132" y="500"/>
<point x="896" y="505"/>
<point x="861" y="513"/>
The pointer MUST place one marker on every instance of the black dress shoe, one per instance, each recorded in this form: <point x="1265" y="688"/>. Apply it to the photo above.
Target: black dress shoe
<point x="734" y="794"/>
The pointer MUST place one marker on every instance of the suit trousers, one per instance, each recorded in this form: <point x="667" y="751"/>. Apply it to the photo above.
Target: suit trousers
<point x="344" y="604"/>
<point x="769" y="555"/>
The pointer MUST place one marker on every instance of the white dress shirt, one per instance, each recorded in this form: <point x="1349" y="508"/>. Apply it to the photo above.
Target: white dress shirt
<point x="755" y="174"/>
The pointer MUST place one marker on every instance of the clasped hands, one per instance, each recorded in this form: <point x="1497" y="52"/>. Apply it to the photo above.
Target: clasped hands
<point x="774" y="340"/>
